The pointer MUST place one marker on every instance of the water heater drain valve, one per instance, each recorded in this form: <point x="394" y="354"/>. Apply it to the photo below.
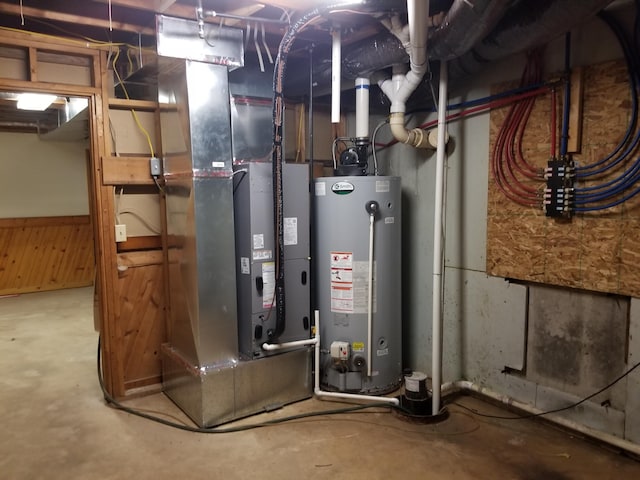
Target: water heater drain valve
<point x="340" y="351"/>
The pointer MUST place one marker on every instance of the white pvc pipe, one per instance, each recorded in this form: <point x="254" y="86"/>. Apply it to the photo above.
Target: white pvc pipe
<point x="336" y="74"/>
<point x="438" y="247"/>
<point x="570" y="424"/>
<point x="399" y="88"/>
<point x="270" y="347"/>
<point x="372" y="218"/>
<point x="362" y="107"/>
<point x="349" y="396"/>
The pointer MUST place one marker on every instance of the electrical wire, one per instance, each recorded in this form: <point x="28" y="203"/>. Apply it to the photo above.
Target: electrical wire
<point x="373" y="144"/>
<point x="555" y="410"/>
<point x="112" y="402"/>
<point x="133" y="112"/>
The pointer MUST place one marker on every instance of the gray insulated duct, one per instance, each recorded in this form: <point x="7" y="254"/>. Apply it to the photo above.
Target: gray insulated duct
<point x="463" y="26"/>
<point x="529" y="24"/>
<point x="471" y="34"/>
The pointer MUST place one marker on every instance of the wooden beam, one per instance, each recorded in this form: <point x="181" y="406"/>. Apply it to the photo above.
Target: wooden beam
<point x="148" y="242"/>
<point x="74" y="19"/>
<point x="140" y="259"/>
<point x="574" y="144"/>
<point x="126" y="171"/>
<point x="33" y="64"/>
<point x="124" y="104"/>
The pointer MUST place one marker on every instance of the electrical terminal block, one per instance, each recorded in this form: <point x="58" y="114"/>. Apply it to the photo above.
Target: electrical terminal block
<point x="559" y="194"/>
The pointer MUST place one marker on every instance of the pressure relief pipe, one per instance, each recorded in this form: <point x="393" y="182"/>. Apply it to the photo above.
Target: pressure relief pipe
<point x="372" y="208"/>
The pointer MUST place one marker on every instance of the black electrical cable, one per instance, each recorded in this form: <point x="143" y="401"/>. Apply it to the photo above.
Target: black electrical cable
<point x="555" y="410"/>
<point x="240" y="428"/>
<point x="279" y="72"/>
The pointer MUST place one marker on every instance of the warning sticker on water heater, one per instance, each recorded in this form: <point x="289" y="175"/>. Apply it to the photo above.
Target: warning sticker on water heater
<point x="342" y="282"/>
<point x="382" y="186"/>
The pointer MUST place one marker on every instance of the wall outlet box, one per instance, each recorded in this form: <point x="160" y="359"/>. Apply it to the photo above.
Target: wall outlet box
<point x="121" y="233"/>
<point x="154" y="167"/>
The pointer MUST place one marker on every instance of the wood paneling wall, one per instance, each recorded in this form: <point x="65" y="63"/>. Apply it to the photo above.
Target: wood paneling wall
<point x="45" y="253"/>
<point x="141" y="316"/>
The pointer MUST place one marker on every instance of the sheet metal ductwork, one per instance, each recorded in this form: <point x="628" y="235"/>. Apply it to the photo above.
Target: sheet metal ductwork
<point x="204" y="372"/>
<point x="468" y="38"/>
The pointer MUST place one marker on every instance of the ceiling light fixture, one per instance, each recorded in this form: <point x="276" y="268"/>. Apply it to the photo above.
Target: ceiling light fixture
<point x="35" y="101"/>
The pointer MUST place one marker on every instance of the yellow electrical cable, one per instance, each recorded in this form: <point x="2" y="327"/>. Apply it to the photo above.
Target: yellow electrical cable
<point x="97" y="43"/>
<point x="133" y="112"/>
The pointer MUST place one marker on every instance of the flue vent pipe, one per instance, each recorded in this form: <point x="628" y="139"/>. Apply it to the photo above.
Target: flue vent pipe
<point x="362" y="107"/>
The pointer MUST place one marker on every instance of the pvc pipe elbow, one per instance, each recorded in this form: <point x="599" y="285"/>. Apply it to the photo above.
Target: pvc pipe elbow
<point x="416" y="137"/>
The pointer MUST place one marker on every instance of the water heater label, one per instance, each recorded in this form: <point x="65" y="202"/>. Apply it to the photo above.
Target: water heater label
<point x="357" y="346"/>
<point x="321" y="189"/>
<point x="342" y="282"/>
<point x="361" y="287"/>
<point x="342" y="260"/>
<point x="290" y="230"/>
<point x="269" y="283"/>
<point x="342" y="188"/>
<point x="383" y="352"/>
<point x="389" y="220"/>
<point x="382" y="186"/>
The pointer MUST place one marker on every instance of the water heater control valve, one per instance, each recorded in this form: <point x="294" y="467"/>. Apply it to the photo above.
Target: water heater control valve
<point x="340" y="351"/>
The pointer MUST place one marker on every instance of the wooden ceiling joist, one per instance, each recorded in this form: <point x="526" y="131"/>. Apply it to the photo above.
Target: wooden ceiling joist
<point x="73" y="18"/>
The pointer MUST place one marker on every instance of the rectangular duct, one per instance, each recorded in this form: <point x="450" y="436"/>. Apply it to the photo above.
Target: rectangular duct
<point x="203" y="372"/>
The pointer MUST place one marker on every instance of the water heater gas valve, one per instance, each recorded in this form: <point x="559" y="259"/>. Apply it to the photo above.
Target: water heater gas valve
<point x="340" y="351"/>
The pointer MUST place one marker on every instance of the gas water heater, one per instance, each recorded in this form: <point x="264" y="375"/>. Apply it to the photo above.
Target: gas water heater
<point x="358" y="276"/>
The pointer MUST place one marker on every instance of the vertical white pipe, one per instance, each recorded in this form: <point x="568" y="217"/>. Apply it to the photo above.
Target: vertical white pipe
<point x="372" y="218"/>
<point x="336" y="73"/>
<point x="362" y="107"/>
<point x="438" y="246"/>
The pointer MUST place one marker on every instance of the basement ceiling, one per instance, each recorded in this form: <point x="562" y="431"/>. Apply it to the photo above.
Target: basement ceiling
<point x="473" y="33"/>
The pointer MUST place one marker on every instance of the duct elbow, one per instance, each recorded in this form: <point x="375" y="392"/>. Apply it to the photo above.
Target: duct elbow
<point x="416" y="137"/>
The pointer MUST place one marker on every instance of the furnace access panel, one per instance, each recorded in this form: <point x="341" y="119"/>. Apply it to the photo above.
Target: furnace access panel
<point x="256" y="254"/>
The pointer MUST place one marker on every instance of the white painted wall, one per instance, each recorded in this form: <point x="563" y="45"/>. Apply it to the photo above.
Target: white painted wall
<point x="42" y="178"/>
<point x="485" y="317"/>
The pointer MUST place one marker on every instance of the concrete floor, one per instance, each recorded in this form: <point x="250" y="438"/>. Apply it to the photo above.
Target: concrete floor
<point x="55" y="425"/>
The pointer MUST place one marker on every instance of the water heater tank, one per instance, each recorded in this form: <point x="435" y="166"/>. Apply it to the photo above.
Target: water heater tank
<point x="358" y="236"/>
